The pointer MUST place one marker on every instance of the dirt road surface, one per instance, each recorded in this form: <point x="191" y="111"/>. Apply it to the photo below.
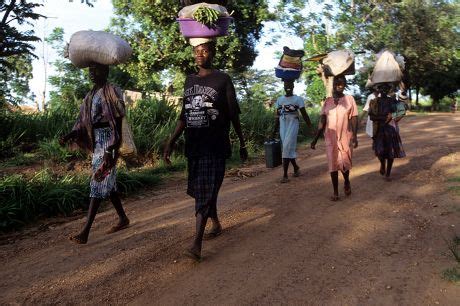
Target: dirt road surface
<point x="282" y="244"/>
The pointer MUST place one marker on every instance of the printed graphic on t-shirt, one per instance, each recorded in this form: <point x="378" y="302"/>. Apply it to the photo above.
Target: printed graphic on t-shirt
<point x="199" y="103"/>
<point x="288" y="108"/>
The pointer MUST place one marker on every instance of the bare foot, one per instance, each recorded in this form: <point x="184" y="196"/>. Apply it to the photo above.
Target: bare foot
<point x="79" y="239"/>
<point x="335" y="198"/>
<point x="296" y="172"/>
<point x="382" y="170"/>
<point x="347" y="189"/>
<point x="284" y="180"/>
<point x="122" y="224"/>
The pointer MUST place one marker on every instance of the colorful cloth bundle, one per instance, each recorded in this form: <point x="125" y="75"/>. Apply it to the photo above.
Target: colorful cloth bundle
<point x="291" y="59"/>
<point x="290" y="65"/>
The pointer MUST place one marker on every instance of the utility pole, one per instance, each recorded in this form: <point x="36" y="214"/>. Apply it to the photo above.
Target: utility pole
<point x="45" y="63"/>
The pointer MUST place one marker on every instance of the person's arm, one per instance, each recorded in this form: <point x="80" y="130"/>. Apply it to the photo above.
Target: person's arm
<point x="321" y="127"/>
<point x="237" y="126"/>
<point x="354" y="127"/>
<point x="305" y="117"/>
<point x="276" y="125"/>
<point x="234" y="115"/>
<point x="180" y="127"/>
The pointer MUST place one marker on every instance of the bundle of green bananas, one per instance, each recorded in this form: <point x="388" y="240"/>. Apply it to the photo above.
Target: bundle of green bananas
<point x="206" y="15"/>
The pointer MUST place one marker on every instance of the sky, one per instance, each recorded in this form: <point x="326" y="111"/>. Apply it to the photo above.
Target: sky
<point x="74" y="16"/>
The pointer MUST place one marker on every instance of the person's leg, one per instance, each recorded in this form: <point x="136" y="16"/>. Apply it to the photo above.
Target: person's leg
<point x="389" y="166"/>
<point x="285" y="170"/>
<point x="335" y="185"/>
<point x="216" y="226"/>
<point x="296" y="167"/>
<point x="346" y="184"/>
<point x="195" y="249"/>
<point x="382" y="165"/>
<point x="82" y="238"/>
<point x="123" y="220"/>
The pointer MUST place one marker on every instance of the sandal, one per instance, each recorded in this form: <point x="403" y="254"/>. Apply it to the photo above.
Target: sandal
<point x="212" y="234"/>
<point x="78" y="240"/>
<point x="192" y="255"/>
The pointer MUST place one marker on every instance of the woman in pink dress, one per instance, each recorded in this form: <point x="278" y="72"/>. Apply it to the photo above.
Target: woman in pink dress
<point x="339" y="122"/>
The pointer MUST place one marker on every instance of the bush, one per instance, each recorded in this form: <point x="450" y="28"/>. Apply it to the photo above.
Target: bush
<point x="152" y="122"/>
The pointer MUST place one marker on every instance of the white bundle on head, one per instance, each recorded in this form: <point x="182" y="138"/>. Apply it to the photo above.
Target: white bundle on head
<point x="387" y="69"/>
<point x="199" y="41"/>
<point x="338" y="62"/>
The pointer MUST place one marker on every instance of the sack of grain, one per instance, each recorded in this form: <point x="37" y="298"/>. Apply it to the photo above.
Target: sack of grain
<point x="339" y="62"/>
<point x="387" y="69"/>
<point x="100" y="47"/>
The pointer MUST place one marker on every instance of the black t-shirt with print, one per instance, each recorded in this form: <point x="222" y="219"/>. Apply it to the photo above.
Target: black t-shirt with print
<point x="209" y="106"/>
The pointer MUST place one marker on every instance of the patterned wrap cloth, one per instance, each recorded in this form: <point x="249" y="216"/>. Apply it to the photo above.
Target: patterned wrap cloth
<point x="101" y="106"/>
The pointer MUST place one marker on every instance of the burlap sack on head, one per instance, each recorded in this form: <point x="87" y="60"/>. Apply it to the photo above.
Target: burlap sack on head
<point x="386" y="70"/>
<point x="100" y="47"/>
<point x="127" y="147"/>
<point x="338" y="62"/>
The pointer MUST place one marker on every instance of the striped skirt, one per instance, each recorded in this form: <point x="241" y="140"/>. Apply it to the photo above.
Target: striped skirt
<point x="102" y="190"/>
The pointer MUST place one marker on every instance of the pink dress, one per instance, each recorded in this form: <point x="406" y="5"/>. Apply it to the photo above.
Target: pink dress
<point x="338" y="133"/>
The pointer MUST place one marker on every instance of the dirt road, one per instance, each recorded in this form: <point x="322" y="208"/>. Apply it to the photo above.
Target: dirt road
<point x="283" y="244"/>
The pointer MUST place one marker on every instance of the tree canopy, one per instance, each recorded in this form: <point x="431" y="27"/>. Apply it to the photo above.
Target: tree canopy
<point x="153" y="32"/>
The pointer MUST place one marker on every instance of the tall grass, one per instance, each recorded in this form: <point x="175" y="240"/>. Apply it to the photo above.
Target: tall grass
<point x="23" y="200"/>
<point x="152" y="122"/>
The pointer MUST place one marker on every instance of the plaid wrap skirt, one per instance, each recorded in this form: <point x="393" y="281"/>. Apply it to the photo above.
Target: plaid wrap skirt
<point x="205" y="177"/>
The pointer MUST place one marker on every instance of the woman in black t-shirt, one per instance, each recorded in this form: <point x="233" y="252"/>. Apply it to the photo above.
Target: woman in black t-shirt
<point x="208" y="108"/>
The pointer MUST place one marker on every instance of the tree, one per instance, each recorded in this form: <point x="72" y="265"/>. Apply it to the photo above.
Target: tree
<point x="70" y="83"/>
<point x="425" y="32"/>
<point x="314" y="29"/>
<point x="152" y="30"/>
<point x="16" y="49"/>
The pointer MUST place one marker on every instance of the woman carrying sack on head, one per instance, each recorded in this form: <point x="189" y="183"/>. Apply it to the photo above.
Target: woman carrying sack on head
<point x="339" y="122"/>
<point x="387" y="144"/>
<point x="99" y="130"/>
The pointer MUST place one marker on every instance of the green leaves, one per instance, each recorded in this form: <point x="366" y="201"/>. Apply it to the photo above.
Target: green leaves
<point x="206" y="16"/>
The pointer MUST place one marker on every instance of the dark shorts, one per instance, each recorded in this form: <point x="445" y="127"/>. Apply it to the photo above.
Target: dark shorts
<point x="205" y="176"/>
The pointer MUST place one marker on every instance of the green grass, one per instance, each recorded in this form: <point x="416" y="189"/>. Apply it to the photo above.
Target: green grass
<point x="23" y="200"/>
<point x="21" y="159"/>
<point x="452" y="275"/>
<point x="454" y="247"/>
